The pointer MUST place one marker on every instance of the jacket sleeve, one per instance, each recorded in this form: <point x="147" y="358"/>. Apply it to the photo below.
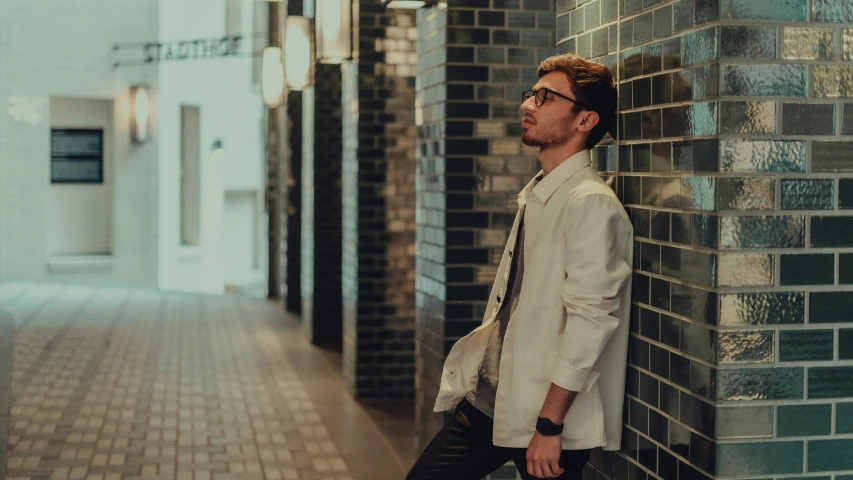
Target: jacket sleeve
<point x="597" y="263"/>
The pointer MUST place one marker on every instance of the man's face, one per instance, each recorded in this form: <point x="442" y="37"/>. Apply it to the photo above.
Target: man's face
<point x="554" y="122"/>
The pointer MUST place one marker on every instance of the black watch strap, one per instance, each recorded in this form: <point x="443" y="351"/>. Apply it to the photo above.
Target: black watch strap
<point x="548" y="428"/>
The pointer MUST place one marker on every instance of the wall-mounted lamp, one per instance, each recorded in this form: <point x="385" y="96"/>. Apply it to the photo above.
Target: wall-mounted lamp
<point x="298" y="58"/>
<point x="139" y="113"/>
<point x="334" y="30"/>
<point x="272" y="75"/>
<point x="413" y="4"/>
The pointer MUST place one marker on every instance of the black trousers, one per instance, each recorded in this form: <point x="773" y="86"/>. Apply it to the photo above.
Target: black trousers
<point x="463" y="450"/>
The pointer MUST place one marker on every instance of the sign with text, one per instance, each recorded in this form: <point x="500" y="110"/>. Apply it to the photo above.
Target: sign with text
<point x="195" y="49"/>
<point x="76" y="155"/>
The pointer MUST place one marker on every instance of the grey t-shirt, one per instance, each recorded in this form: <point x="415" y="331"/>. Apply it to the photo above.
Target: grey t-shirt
<point x="483" y="395"/>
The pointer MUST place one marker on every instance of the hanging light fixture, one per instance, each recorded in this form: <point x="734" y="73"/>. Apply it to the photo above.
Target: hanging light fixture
<point x="272" y="76"/>
<point x="333" y="22"/>
<point x="298" y="58"/>
<point x="139" y="113"/>
<point x="413" y="4"/>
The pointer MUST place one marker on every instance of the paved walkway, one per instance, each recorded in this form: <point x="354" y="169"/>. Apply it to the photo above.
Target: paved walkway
<point x="111" y="383"/>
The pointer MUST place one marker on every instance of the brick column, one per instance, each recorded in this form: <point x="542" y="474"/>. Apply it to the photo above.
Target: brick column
<point x="292" y="211"/>
<point x="474" y="60"/>
<point x="733" y="152"/>
<point x="379" y="205"/>
<point x="321" y="208"/>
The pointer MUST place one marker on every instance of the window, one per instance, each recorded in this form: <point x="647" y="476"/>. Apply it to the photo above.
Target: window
<point x="190" y="175"/>
<point x="233" y="17"/>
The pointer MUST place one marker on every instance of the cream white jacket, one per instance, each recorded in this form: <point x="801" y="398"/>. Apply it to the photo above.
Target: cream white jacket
<point x="570" y="326"/>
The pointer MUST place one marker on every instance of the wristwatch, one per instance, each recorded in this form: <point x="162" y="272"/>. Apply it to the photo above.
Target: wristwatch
<point x="548" y="428"/>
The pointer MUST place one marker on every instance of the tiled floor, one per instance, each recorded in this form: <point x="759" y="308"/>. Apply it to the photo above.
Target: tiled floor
<point x="111" y="383"/>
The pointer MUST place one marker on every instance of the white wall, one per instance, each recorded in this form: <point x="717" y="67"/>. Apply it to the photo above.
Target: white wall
<point x="63" y="49"/>
<point x="231" y="110"/>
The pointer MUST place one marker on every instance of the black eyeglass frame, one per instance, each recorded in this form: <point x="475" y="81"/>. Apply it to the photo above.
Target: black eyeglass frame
<point x="534" y="93"/>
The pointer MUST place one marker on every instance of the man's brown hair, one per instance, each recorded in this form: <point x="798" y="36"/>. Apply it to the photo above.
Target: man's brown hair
<point x="593" y="85"/>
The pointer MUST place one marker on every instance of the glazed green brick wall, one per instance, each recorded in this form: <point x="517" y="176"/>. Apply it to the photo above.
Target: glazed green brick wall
<point x="734" y="160"/>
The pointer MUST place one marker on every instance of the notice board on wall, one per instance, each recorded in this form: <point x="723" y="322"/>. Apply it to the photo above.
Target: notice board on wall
<point x="76" y="155"/>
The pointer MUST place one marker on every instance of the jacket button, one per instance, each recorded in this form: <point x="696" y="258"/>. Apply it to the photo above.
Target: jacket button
<point x="510" y="254"/>
<point x="499" y="299"/>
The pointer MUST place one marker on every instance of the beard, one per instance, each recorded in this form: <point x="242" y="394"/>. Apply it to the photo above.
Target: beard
<point x="545" y="137"/>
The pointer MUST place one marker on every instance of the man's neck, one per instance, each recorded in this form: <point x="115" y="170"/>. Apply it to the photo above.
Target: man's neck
<point x="551" y="157"/>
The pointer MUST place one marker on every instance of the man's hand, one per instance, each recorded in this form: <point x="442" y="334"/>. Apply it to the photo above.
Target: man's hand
<point x="543" y="456"/>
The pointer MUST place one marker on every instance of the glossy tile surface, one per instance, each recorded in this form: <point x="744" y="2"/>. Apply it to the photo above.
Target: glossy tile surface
<point x="833" y="81"/>
<point x="746" y="193"/>
<point x="747" y="117"/>
<point x="761" y="384"/>
<point x="746" y="347"/>
<point x="764" y="80"/>
<point x="750" y="42"/>
<point x="740" y="270"/>
<point x="760" y="458"/>
<point x="808" y="194"/>
<point x="784" y="10"/>
<point x="763" y="156"/>
<point x="807" y="43"/>
<point x="762" y="232"/>
<point x="806" y="345"/>
<point x="762" y="309"/>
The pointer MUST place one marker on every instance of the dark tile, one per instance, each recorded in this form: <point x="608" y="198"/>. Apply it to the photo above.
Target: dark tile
<point x="659" y="361"/>
<point x="847" y="119"/>
<point x="592" y="15"/>
<point x="760" y="458"/>
<point x="639" y="353"/>
<point x="805" y="345"/>
<point x="527" y="20"/>
<point x="679" y="371"/>
<point x="831" y="382"/>
<point x="831" y="455"/>
<point x="505" y="37"/>
<point x="491" y="55"/>
<point x="784" y="10"/>
<point x="807" y="269"/>
<point x="703" y="453"/>
<point x="642" y="28"/>
<point x="660" y="293"/>
<point x="650" y="257"/>
<point x="761" y="384"/>
<point x="679" y="439"/>
<point x="672" y="53"/>
<point x="652" y="128"/>
<point x="845" y="194"/>
<point x="832" y="157"/>
<point x="468" y="35"/>
<point x="658" y="427"/>
<point x="830" y="307"/>
<point x="683" y="12"/>
<point x="706" y="11"/>
<point x="844" y="424"/>
<point x="649" y="389"/>
<point x="845" y="268"/>
<point x="633" y="124"/>
<point x="641" y="161"/>
<point x="662" y="23"/>
<point x="661" y="225"/>
<point x="808" y="194"/>
<point x="748" y="42"/>
<point x="832" y="231"/>
<point x="662" y="162"/>
<point x="642" y="92"/>
<point x="803" y="119"/>
<point x="662" y="89"/>
<point x="460" y="17"/>
<point x="486" y="18"/>
<point x="669" y="400"/>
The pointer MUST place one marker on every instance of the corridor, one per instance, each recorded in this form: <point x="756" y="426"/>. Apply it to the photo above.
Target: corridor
<point x="112" y="383"/>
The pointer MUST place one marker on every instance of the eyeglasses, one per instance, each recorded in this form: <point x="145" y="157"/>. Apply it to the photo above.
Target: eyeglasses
<point x="542" y="95"/>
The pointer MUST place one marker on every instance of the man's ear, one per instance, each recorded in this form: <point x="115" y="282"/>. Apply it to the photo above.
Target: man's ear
<point x="589" y="121"/>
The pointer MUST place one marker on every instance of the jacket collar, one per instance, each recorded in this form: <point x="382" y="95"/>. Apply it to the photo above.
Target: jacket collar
<point x="543" y="186"/>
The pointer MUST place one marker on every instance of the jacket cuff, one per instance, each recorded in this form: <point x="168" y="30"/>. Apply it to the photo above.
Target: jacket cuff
<point x="573" y="379"/>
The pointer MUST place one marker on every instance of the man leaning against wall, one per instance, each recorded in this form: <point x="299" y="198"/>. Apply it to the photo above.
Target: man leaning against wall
<point x="541" y="381"/>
